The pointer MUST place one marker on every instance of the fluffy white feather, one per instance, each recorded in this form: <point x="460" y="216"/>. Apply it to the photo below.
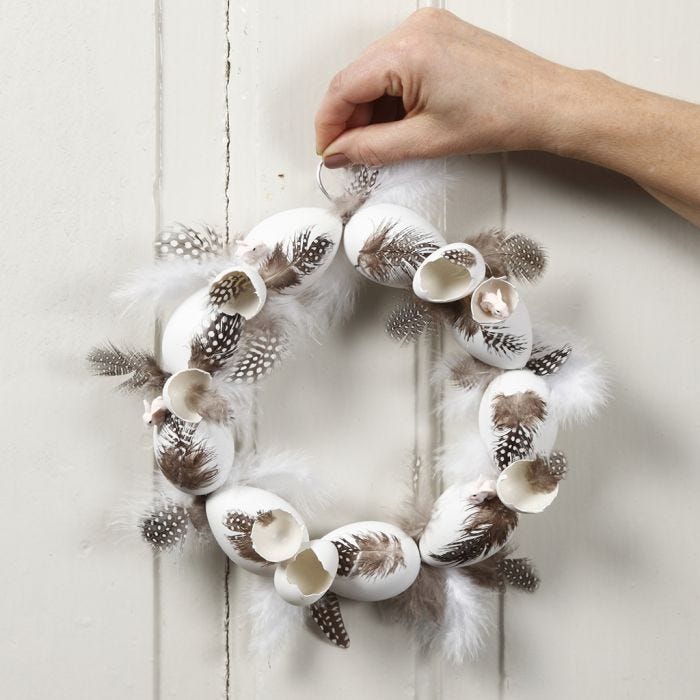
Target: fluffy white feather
<point x="271" y="619"/>
<point x="152" y="290"/>
<point x="468" y="619"/>
<point x="458" y="403"/>
<point x="286" y="474"/>
<point x="417" y="184"/>
<point x="580" y="389"/>
<point x="464" y="459"/>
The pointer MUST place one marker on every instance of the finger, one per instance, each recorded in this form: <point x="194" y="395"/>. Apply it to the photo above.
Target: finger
<point x="378" y="144"/>
<point x="361" y="82"/>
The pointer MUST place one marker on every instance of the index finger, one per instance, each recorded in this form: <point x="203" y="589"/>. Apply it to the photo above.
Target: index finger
<point x="363" y="81"/>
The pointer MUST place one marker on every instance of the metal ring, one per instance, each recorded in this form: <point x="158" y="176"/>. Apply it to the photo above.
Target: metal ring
<point x="319" y="181"/>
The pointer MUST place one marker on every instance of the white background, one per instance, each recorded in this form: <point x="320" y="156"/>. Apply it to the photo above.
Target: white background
<point x="120" y="117"/>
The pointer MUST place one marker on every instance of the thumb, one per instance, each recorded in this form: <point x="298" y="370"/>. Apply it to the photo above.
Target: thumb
<point x="379" y="144"/>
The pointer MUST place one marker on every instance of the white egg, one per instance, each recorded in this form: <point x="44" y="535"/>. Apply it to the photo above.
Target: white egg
<point x="452" y="272"/>
<point x="377" y="560"/>
<point x="194" y="318"/>
<point x="516" y="491"/>
<point x="466" y="526"/>
<point x="305" y="578"/>
<point x="506" y="344"/>
<point x="238" y="290"/>
<point x="387" y="243"/>
<point x="515" y="419"/>
<point x="255" y="528"/>
<point x="309" y="238"/>
<point x="196" y="457"/>
<point x="177" y="387"/>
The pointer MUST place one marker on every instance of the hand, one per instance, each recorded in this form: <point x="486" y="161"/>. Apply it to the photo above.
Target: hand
<point x="437" y="86"/>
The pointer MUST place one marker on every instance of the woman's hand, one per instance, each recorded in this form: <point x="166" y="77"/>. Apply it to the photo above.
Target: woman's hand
<point x="462" y="90"/>
<point x="438" y="86"/>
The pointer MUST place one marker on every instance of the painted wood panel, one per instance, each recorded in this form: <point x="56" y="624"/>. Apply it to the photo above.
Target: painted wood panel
<point x="193" y="61"/>
<point x="617" y="612"/>
<point x="204" y="114"/>
<point x="77" y="165"/>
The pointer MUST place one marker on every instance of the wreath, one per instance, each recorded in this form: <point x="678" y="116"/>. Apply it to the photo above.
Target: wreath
<point x="231" y="312"/>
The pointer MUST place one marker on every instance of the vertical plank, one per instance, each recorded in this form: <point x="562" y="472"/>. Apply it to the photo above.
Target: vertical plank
<point x="194" y="54"/>
<point x="617" y="551"/>
<point x="349" y="402"/>
<point x="78" y="157"/>
<point x="475" y="203"/>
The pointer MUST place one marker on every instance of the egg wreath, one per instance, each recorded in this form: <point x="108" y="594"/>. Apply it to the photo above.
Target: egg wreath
<point x="232" y="312"/>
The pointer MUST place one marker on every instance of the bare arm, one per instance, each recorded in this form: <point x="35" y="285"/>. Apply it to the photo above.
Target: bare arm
<point x="437" y="86"/>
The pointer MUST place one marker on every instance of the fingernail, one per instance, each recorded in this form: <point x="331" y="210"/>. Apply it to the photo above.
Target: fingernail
<point x="337" y="160"/>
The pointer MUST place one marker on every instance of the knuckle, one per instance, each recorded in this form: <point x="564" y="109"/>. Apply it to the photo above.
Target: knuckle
<point x="336" y="83"/>
<point x="430" y="15"/>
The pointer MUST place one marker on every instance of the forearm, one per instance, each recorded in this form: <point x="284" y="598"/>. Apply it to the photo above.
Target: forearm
<point x="655" y="140"/>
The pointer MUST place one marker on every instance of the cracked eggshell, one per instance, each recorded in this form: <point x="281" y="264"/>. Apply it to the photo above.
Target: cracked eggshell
<point x="506" y="344"/>
<point x="255" y="528"/>
<point x="189" y="441"/>
<point x="387" y="243"/>
<point x="305" y="578"/>
<point x="176" y="389"/>
<point x="281" y="228"/>
<point x="515" y="418"/>
<point x="509" y="294"/>
<point x="452" y="272"/>
<point x="238" y="290"/>
<point x="376" y="560"/>
<point x="516" y="492"/>
<point x="467" y="525"/>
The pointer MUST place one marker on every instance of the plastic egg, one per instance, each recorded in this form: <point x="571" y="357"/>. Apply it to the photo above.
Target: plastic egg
<point x="255" y="528"/>
<point x="452" y="272"/>
<point x="467" y="525"/>
<point x="515" y="419"/>
<point x="387" y="243"/>
<point x="305" y="578"/>
<point x="196" y="457"/>
<point x="377" y="560"/>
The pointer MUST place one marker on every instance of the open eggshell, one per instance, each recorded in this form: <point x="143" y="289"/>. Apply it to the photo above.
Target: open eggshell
<point x="238" y="290"/>
<point x="185" y="439"/>
<point x="286" y="226"/>
<point x="516" y="492"/>
<point x="464" y="529"/>
<point x="515" y="419"/>
<point x="452" y="272"/>
<point x="509" y="294"/>
<point x="177" y="387"/>
<point x="376" y="560"/>
<point x="251" y="524"/>
<point x="305" y="578"/>
<point x="387" y="243"/>
<point x="506" y="345"/>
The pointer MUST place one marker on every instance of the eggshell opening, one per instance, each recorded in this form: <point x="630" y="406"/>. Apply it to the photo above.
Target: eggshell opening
<point x="277" y="537"/>
<point x="440" y="279"/>
<point x="308" y="573"/>
<point x="515" y="492"/>
<point x="178" y="386"/>
<point x="509" y="295"/>
<point x="239" y="290"/>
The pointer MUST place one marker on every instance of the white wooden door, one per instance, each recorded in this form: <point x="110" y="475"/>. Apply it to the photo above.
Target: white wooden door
<point x="119" y="118"/>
